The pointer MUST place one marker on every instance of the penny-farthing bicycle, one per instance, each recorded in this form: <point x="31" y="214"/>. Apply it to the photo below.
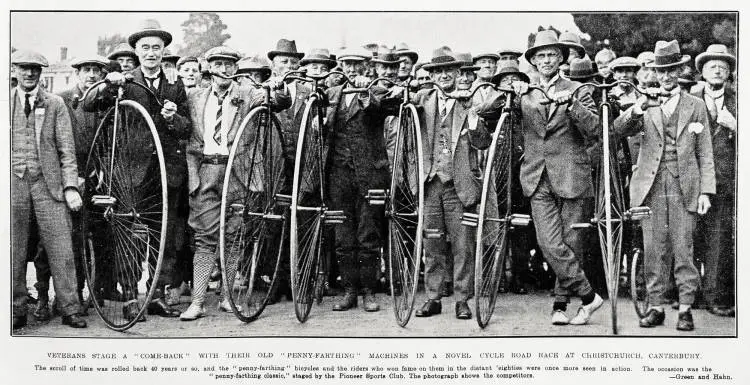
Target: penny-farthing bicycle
<point x="308" y="212"/>
<point x="253" y="221"/>
<point x="404" y="207"/>
<point x="610" y="214"/>
<point x="125" y="196"/>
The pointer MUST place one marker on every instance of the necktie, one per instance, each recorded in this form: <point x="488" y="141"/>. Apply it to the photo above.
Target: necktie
<point x="443" y="108"/>
<point x="27" y="106"/>
<point x="712" y="107"/>
<point x="217" y="127"/>
<point x="150" y="82"/>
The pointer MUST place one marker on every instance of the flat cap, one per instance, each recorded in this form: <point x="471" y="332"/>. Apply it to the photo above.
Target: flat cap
<point x="254" y="63"/>
<point x="93" y="59"/>
<point x="187" y="59"/>
<point x="624" y="62"/>
<point x="222" y="52"/>
<point x="29" y="58"/>
<point x="122" y="49"/>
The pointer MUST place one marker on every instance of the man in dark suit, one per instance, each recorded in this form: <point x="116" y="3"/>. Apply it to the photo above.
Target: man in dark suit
<point x="357" y="162"/>
<point x="172" y="124"/>
<point x="556" y="173"/>
<point x="717" y="227"/>
<point x="674" y="177"/>
<point x="216" y="114"/>
<point x="450" y="132"/>
<point x="44" y="185"/>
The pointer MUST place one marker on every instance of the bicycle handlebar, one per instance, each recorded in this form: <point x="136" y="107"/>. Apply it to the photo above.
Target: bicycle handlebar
<point x="255" y="83"/>
<point x="128" y="79"/>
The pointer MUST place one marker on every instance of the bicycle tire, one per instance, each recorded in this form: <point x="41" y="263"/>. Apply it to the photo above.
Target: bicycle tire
<point x="127" y="198"/>
<point x="252" y="224"/>
<point x="306" y="214"/>
<point x="405" y="213"/>
<point x="638" y="292"/>
<point x="493" y="222"/>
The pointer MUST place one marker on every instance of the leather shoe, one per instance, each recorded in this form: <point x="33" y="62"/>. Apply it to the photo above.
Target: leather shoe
<point x="685" y="321"/>
<point x="19" y="321"/>
<point x="462" y="310"/>
<point x="559" y="318"/>
<point x="349" y="301"/>
<point x="370" y="302"/>
<point x="160" y="308"/>
<point x="586" y="311"/>
<point x="42" y="312"/>
<point x="74" y="321"/>
<point x="653" y="318"/>
<point x="430" y="307"/>
<point x="130" y="311"/>
<point x="192" y="313"/>
<point x="721" y="311"/>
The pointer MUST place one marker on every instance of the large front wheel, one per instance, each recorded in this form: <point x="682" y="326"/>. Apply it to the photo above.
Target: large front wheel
<point x="253" y="221"/>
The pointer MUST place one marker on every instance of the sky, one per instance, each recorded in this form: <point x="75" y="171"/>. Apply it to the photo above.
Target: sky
<point x="253" y="33"/>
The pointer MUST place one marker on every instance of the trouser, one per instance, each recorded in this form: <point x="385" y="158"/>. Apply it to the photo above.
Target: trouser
<point x="442" y="211"/>
<point x="716" y="229"/>
<point x="668" y="241"/>
<point x="522" y="239"/>
<point x="31" y="197"/>
<point x="359" y="239"/>
<point x="561" y="245"/>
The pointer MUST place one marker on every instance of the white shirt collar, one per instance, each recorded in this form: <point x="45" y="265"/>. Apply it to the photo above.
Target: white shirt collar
<point x="716" y="94"/>
<point x="32" y="93"/>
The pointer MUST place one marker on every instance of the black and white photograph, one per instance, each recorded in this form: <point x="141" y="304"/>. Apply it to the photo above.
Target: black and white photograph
<point x="416" y="175"/>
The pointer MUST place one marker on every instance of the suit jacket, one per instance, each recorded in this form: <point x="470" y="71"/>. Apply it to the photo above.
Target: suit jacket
<point x="695" y="160"/>
<point x="724" y="142"/>
<point x="556" y="141"/>
<point x="465" y="143"/>
<point x="84" y="123"/>
<point x="365" y="115"/>
<point x="291" y="118"/>
<point x="251" y="97"/>
<point x="169" y="133"/>
<point x="55" y="143"/>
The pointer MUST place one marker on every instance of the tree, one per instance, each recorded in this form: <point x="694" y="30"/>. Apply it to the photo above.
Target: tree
<point x="632" y="33"/>
<point x="203" y="30"/>
<point x="105" y="44"/>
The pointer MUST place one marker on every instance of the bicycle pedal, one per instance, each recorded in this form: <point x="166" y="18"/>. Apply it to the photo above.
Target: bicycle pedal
<point x="273" y="217"/>
<point x="432" y="233"/>
<point x="103" y="200"/>
<point x="333" y="217"/>
<point x="638" y="213"/>
<point x="520" y="220"/>
<point x="581" y="226"/>
<point x="283" y="199"/>
<point x="238" y="209"/>
<point x="470" y="219"/>
<point x="139" y="231"/>
<point x="376" y="197"/>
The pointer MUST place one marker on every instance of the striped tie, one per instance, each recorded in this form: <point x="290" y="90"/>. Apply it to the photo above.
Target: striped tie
<point x="217" y="128"/>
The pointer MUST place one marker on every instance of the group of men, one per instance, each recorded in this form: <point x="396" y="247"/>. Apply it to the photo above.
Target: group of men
<point x="685" y="146"/>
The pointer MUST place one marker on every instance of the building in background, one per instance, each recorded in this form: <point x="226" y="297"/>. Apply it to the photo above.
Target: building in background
<point x="60" y="75"/>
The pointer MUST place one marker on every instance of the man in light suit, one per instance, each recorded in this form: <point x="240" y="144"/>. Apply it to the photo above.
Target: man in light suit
<point x="216" y="113"/>
<point x="44" y="185"/>
<point x="674" y="177"/>
<point x="716" y="66"/>
<point x="556" y="173"/>
<point x="450" y="133"/>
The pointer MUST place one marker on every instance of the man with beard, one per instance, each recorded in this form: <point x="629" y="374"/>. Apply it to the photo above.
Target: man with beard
<point x="716" y="65"/>
<point x="124" y="55"/>
<point x="556" y="173"/>
<point x="674" y="178"/>
<point x="172" y="124"/>
<point x="357" y="162"/>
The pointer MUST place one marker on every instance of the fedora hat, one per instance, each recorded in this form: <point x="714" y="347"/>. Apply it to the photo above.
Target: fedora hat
<point x="509" y="68"/>
<point x="93" y="59"/>
<point x="390" y="58"/>
<point x="581" y="69"/>
<point x="624" y="62"/>
<point x="573" y="41"/>
<point x="26" y="57"/>
<point x="715" y="52"/>
<point x="509" y="51"/>
<point x="546" y="39"/>
<point x="150" y="27"/>
<point x="442" y="57"/>
<point x="254" y="63"/>
<point x="644" y="58"/>
<point x="318" y="55"/>
<point x="354" y="54"/>
<point x="487" y="55"/>
<point x="467" y="61"/>
<point x="287" y="48"/>
<point x="222" y="52"/>
<point x="402" y="49"/>
<point x="122" y="49"/>
<point x="667" y="54"/>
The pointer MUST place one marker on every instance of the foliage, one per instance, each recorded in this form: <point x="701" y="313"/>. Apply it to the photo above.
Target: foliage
<point x="203" y="30"/>
<point x="106" y="44"/>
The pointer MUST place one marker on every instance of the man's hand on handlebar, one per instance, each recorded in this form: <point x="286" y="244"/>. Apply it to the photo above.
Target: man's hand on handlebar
<point x="361" y="81"/>
<point x="275" y="82"/>
<point x="520" y="87"/>
<point x="562" y="97"/>
<point x="115" y="78"/>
